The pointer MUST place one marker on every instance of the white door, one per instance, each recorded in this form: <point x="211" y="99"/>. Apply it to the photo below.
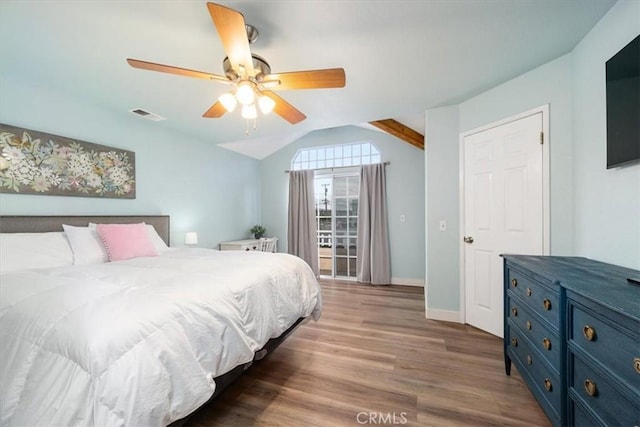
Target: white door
<point x="503" y="211"/>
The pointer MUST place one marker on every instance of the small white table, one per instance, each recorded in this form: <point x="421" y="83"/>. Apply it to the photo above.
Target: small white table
<point x="241" y="245"/>
<point x="244" y="245"/>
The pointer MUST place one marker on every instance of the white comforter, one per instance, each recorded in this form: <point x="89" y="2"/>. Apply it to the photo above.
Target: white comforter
<point x="139" y="342"/>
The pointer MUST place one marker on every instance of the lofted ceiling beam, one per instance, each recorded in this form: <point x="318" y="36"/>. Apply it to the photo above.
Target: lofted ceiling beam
<point x="399" y="130"/>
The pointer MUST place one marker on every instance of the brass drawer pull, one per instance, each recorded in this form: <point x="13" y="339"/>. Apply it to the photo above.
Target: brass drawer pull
<point x="636" y="364"/>
<point x="514" y="283"/>
<point x="529" y="360"/>
<point x="590" y="387"/>
<point x="546" y="343"/>
<point x="589" y="333"/>
<point x="547" y="304"/>
<point x="514" y="342"/>
<point x="528" y="292"/>
<point x="514" y="310"/>
<point x="528" y="324"/>
<point x="547" y="384"/>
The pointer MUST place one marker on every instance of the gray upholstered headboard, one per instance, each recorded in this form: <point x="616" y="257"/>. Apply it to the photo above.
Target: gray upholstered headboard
<point x="40" y="224"/>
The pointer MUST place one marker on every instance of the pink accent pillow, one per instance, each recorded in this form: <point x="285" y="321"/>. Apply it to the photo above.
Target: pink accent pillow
<point x="125" y="241"/>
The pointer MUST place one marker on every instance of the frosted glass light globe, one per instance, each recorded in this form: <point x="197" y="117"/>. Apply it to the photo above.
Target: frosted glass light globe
<point x="228" y="101"/>
<point x="249" y="111"/>
<point x="266" y="104"/>
<point x="245" y="94"/>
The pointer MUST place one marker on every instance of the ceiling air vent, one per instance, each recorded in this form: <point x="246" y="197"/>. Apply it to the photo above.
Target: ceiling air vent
<point x="147" y="114"/>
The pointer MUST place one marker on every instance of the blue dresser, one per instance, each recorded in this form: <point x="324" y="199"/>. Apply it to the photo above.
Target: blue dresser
<point x="572" y="329"/>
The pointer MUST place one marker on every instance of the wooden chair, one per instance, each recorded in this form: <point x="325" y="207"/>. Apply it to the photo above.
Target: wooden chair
<point x="268" y="244"/>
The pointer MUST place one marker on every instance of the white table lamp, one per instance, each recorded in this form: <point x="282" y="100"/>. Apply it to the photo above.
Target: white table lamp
<point x="191" y="238"/>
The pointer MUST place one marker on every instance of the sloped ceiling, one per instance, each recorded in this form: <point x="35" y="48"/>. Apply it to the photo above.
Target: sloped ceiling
<point x="400" y="57"/>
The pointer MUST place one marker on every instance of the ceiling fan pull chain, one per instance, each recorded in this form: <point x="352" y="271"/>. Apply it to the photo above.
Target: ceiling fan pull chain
<point x="255" y="126"/>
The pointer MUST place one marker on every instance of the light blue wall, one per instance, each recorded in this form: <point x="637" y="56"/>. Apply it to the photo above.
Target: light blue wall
<point x="548" y="84"/>
<point x="594" y="212"/>
<point x="202" y="187"/>
<point x="405" y="193"/>
<point x="443" y="189"/>
<point x="606" y="202"/>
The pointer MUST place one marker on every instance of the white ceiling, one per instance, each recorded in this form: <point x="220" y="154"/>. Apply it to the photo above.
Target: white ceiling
<point x="400" y="57"/>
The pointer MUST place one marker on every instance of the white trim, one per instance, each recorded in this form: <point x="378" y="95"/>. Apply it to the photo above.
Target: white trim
<point x="546" y="182"/>
<point x="461" y="227"/>
<point x="444" y="315"/>
<point x="401" y="281"/>
<point x="546" y="211"/>
<point x="407" y="281"/>
<point x="426" y="216"/>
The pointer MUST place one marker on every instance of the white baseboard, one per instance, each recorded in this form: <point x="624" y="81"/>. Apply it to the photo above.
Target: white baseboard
<point x="405" y="281"/>
<point x="445" y="315"/>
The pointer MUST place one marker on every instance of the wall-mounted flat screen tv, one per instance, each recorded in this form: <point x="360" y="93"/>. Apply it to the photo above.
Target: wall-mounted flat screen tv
<point x="623" y="105"/>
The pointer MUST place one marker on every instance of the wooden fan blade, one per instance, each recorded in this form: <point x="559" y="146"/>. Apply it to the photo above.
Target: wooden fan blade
<point x="215" y="111"/>
<point x="233" y="35"/>
<point x="312" y="79"/>
<point x="284" y="109"/>
<point x="151" y="66"/>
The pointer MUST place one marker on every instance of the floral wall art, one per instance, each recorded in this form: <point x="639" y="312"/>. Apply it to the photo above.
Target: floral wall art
<point x="34" y="162"/>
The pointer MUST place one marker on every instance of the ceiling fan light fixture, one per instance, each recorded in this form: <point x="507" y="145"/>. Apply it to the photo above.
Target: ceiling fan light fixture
<point x="228" y="101"/>
<point x="266" y="104"/>
<point x="249" y="111"/>
<point x="248" y="73"/>
<point x="245" y="93"/>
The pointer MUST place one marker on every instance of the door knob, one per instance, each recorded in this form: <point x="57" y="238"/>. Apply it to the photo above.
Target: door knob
<point x="468" y="239"/>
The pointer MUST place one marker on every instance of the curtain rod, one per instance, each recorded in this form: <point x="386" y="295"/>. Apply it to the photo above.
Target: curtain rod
<point x="339" y="167"/>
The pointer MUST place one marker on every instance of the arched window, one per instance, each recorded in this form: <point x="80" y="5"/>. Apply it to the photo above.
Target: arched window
<point x="331" y="156"/>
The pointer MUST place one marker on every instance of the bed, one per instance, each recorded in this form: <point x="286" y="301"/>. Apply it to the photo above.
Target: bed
<point x="142" y="341"/>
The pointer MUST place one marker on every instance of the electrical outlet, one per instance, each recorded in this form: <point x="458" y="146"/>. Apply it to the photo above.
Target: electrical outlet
<point x="443" y="225"/>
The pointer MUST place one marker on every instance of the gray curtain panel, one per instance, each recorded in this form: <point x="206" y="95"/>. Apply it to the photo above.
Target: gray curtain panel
<point x="373" y="265"/>
<point x="302" y="238"/>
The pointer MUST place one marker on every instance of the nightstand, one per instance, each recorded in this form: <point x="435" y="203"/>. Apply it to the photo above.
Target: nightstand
<point x="241" y="245"/>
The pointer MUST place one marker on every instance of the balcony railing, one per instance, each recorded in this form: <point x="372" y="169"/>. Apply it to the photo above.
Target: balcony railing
<point x="325" y="239"/>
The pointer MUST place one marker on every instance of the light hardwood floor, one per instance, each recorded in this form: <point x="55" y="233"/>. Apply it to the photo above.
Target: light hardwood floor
<point x="373" y="359"/>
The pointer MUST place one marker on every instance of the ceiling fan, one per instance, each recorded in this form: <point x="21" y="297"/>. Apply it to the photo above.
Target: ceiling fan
<point x="249" y="74"/>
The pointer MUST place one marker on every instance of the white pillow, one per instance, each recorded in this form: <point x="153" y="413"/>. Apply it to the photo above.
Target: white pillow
<point x="21" y="251"/>
<point x="86" y="245"/>
<point x="156" y="240"/>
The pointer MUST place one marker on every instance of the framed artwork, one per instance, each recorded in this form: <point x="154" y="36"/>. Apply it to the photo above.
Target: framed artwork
<point x="33" y="162"/>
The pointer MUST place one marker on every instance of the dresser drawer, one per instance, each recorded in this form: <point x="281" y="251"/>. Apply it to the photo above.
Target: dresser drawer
<point x="613" y="407"/>
<point x="546" y="341"/>
<point x="580" y="417"/>
<point x="538" y="297"/>
<point x="599" y="339"/>
<point x="543" y="381"/>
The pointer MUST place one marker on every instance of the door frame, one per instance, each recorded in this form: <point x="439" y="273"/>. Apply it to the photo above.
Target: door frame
<point x="546" y="211"/>
<point x="331" y="173"/>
